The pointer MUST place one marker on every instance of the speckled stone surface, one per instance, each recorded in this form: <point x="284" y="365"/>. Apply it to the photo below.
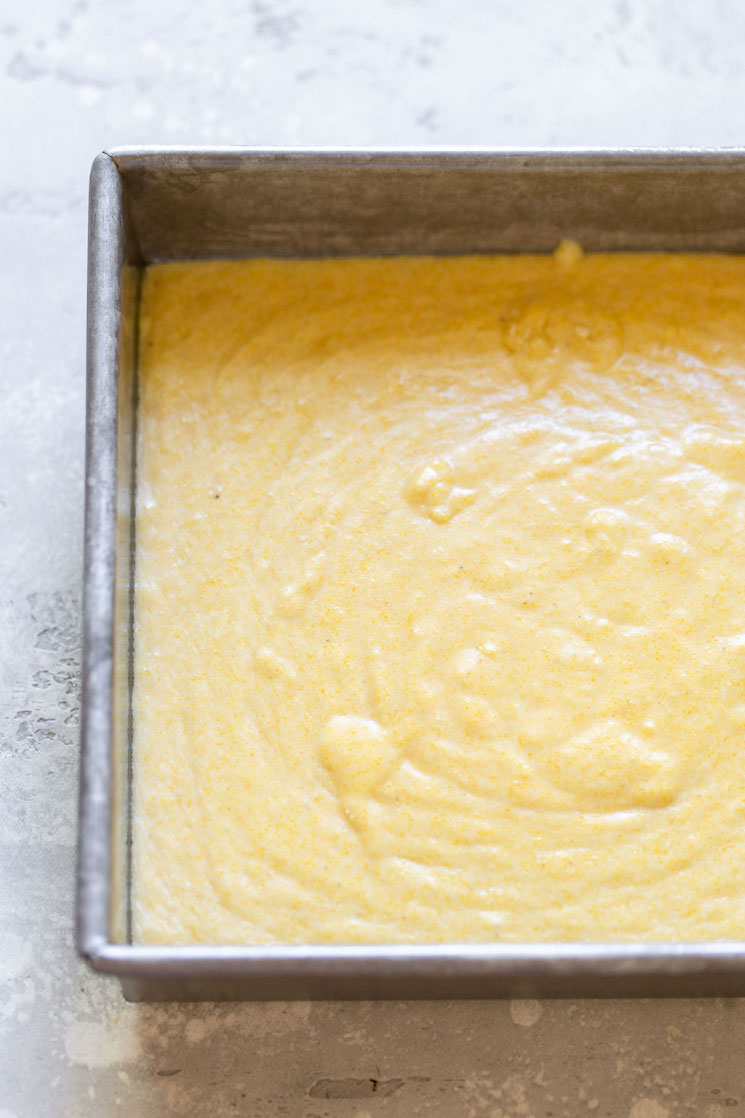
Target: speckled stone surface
<point x="77" y="77"/>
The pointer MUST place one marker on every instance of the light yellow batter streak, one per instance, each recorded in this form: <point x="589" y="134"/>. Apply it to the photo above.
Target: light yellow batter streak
<point x="440" y="610"/>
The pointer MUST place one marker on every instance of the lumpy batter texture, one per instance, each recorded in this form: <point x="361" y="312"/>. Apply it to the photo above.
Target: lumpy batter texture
<point x="440" y="601"/>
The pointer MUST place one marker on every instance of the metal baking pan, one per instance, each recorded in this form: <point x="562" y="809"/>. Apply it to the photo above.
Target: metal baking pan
<point x="160" y="204"/>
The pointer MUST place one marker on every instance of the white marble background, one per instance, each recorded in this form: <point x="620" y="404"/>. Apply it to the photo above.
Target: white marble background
<point x="79" y="76"/>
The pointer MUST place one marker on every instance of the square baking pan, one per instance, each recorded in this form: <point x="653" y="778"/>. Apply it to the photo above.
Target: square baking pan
<point x="151" y="205"/>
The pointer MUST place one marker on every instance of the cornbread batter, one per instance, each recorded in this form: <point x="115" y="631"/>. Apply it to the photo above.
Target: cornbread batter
<point x="440" y="602"/>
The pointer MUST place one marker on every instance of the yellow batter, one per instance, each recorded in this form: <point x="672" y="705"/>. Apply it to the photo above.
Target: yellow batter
<point x="440" y="608"/>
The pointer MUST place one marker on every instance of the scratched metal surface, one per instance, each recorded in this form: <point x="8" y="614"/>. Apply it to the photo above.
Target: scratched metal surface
<point x="76" y="78"/>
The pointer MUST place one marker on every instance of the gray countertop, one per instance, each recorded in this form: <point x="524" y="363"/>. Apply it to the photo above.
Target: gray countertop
<point x="77" y="77"/>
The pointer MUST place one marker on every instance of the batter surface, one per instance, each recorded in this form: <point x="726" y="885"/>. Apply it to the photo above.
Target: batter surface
<point x="440" y="602"/>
